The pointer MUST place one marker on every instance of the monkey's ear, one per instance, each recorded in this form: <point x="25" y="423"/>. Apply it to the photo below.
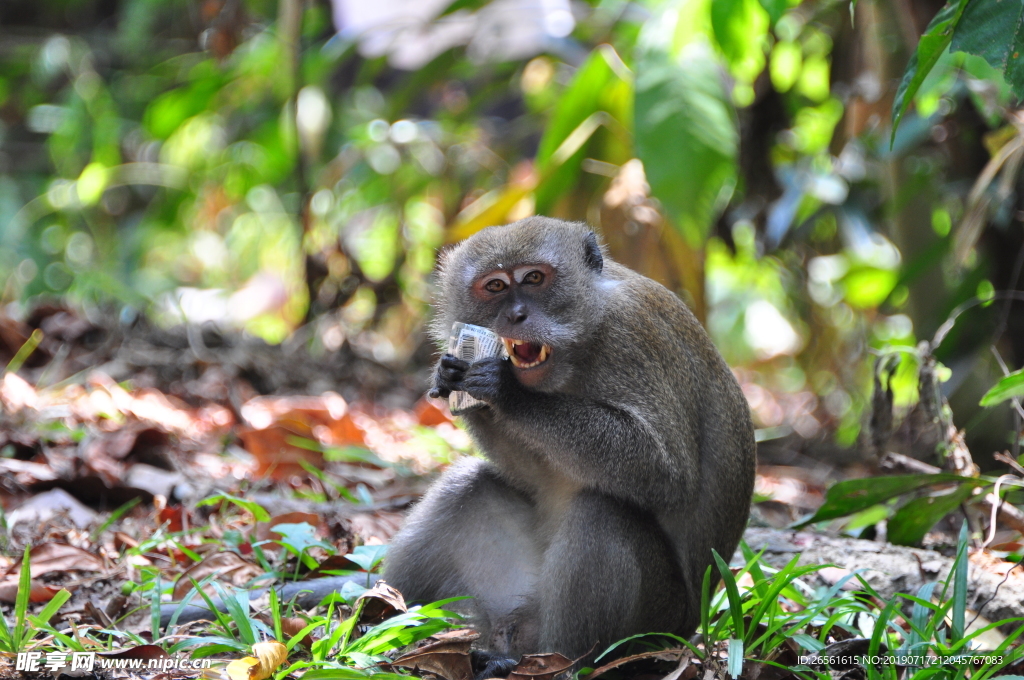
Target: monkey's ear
<point x="592" y="253"/>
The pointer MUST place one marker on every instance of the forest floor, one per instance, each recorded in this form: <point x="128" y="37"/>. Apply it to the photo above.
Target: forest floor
<point x="136" y="463"/>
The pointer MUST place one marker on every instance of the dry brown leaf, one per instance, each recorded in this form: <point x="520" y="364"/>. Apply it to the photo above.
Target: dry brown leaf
<point x="660" y="654"/>
<point x="43" y="507"/>
<point x="429" y="415"/>
<point x="275" y="421"/>
<point x="123" y="541"/>
<point x="380" y="525"/>
<point x="293" y="625"/>
<point x="38" y="592"/>
<point x="229" y="567"/>
<point x="49" y="557"/>
<point x="381" y="602"/>
<point x="333" y="563"/>
<point x="25" y="472"/>
<point x="173" y="517"/>
<point x="275" y="455"/>
<point x="540" y="666"/>
<point x="447" y="656"/>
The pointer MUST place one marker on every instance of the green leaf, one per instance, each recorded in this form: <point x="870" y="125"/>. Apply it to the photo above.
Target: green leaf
<point x="775" y="8"/>
<point x="853" y="495"/>
<point x="300" y="537"/>
<point x="740" y="27"/>
<point x="1008" y="387"/>
<point x="994" y="31"/>
<point x="687" y="137"/>
<point x="868" y="287"/>
<point x="335" y="674"/>
<point x="168" y="111"/>
<point x="254" y="508"/>
<point x="602" y="83"/>
<point x="933" y="43"/>
<point x="368" y="556"/>
<point x="808" y="642"/>
<point x="459" y="5"/>
<point x="911" y="522"/>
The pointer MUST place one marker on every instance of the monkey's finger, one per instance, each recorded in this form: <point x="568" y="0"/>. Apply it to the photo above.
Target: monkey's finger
<point x="450" y="361"/>
<point x="440" y="391"/>
<point x="445" y="374"/>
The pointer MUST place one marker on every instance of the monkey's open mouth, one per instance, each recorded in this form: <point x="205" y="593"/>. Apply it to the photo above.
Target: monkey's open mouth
<point x="526" y="354"/>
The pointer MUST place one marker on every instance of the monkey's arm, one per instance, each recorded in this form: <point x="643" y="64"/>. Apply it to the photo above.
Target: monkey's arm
<point x="599" y="444"/>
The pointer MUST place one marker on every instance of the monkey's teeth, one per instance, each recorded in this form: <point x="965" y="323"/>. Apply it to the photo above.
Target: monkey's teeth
<point x="510" y="349"/>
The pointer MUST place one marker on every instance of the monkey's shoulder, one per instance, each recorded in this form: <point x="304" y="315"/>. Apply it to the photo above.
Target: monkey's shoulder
<point x="639" y="310"/>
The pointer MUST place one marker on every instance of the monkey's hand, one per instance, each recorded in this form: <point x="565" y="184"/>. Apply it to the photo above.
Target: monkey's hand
<point x="490" y="380"/>
<point x="448" y="375"/>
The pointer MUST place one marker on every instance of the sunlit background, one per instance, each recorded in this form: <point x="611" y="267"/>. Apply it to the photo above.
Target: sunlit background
<point x="268" y="165"/>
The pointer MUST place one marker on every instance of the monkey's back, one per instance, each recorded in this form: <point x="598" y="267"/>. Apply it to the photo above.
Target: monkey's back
<point x="662" y="363"/>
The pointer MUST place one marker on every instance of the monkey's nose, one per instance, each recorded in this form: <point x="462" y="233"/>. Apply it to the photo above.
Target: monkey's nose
<point x="517" y="315"/>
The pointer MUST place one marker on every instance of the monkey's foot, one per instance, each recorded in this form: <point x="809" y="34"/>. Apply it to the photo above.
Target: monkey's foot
<point x="490" y="664"/>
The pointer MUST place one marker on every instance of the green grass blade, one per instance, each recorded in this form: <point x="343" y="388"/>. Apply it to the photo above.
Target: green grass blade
<point x="237" y="605"/>
<point x="7" y="642"/>
<point x="754" y="566"/>
<point x="114" y="516"/>
<point x="877" y="633"/>
<point x="770" y="597"/>
<point x="735" y="603"/>
<point x="223" y="619"/>
<point x="705" y="614"/>
<point x="24" y="352"/>
<point x="22" y="635"/>
<point x="959" y="612"/>
<point x="62" y="596"/>
<point x="275" y="613"/>
<point x="154" y="607"/>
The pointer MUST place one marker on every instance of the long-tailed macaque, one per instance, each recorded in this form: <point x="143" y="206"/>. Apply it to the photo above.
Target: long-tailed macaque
<point x="619" y="450"/>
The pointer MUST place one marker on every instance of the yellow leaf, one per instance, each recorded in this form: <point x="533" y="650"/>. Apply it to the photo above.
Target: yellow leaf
<point x="271" y="655"/>
<point x="242" y="669"/>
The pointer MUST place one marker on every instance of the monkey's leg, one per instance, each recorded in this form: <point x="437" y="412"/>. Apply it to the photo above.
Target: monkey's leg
<point x="609" y="573"/>
<point x="472" y="534"/>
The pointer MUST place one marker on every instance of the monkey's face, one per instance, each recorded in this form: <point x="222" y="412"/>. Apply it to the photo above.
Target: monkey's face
<point x="534" y="283"/>
<point x="517" y="298"/>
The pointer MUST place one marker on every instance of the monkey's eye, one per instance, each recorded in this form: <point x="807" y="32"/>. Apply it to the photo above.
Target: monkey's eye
<point x="495" y="286"/>
<point x="534" y="278"/>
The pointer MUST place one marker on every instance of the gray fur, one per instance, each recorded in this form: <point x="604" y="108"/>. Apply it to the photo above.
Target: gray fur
<point x="607" y="484"/>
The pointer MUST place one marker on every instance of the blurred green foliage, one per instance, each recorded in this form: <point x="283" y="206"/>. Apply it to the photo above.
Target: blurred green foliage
<point x="239" y="161"/>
